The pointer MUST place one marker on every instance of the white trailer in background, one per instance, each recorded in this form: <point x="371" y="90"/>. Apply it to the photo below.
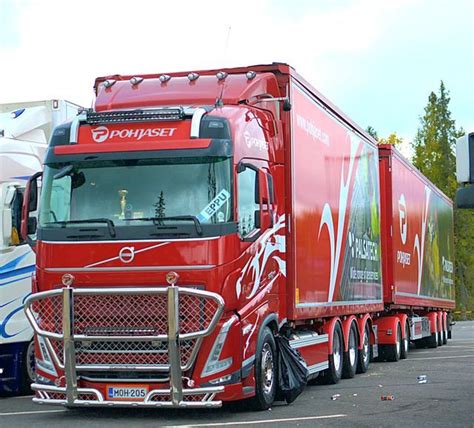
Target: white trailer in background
<point x="25" y="129"/>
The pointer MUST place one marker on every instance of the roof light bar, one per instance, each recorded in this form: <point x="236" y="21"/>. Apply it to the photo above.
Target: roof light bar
<point x="128" y="116"/>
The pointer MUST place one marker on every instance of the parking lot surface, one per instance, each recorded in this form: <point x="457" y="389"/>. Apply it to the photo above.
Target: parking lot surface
<point x="445" y="400"/>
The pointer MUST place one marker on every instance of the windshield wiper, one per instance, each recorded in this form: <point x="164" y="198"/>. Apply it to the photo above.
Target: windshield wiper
<point x="110" y="223"/>
<point x="157" y="220"/>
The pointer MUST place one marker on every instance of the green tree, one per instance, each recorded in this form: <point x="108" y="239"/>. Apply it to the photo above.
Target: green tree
<point x="434" y="156"/>
<point x="435" y="141"/>
<point x="372" y="132"/>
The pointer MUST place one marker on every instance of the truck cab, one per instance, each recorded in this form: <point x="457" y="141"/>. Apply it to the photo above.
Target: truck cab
<point x="160" y="227"/>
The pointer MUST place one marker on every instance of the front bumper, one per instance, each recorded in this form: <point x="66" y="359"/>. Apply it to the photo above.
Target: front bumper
<point x="86" y="397"/>
<point x="74" y="320"/>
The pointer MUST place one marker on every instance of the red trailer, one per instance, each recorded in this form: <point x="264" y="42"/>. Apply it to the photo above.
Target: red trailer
<point x="192" y="217"/>
<point x="418" y="248"/>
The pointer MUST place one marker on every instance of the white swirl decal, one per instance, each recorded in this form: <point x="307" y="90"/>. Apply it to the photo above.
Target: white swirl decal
<point x="335" y="236"/>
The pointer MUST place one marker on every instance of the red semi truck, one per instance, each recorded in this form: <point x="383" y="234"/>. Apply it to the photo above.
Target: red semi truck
<point x="192" y="217"/>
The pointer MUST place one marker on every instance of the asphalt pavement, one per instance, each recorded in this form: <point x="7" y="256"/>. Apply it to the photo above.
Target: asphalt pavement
<point x="445" y="400"/>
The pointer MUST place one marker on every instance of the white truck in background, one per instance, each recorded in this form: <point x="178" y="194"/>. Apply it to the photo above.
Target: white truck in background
<point x="25" y="129"/>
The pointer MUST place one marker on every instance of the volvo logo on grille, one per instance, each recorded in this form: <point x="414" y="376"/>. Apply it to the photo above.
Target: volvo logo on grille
<point x="127" y="254"/>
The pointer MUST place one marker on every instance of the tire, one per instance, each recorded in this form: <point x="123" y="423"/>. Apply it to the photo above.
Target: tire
<point x="432" y="341"/>
<point x="265" y="372"/>
<point x="333" y="373"/>
<point x="364" y="353"/>
<point x="440" y="333"/>
<point x="351" y="357"/>
<point x="28" y="375"/>
<point x="405" y="343"/>
<point x="445" y="331"/>
<point x="393" y="352"/>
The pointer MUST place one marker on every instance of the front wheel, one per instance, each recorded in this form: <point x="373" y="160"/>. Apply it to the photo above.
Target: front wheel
<point x="265" y="372"/>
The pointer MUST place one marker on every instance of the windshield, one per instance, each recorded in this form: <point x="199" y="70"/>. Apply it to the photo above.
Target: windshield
<point x="159" y="192"/>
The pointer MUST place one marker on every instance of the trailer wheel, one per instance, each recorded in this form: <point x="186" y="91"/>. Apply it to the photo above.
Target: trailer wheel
<point x="405" y="343"/>
<point x="364" y="353"/>
<point x="265" y="372"/>
<point x="445" y="331"/>
<point x="28" y="374"/>
<point x="352" y="355"/>
<point x="393" y="352"/>
<point x="440" y="332"/>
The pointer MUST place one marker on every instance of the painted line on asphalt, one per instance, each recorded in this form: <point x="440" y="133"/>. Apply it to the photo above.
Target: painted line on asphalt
<point x="265" y="421"/>
<point x="450" y="349"/>
<point x="413" y="358"/>
<point x="35" y="412"/>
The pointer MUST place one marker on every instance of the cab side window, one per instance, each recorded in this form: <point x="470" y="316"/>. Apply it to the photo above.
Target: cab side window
<point x="247" y="188"/>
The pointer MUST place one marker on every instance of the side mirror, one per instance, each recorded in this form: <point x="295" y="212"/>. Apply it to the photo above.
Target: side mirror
<point x="465" y="158"/>
<point x="30" y="205"/>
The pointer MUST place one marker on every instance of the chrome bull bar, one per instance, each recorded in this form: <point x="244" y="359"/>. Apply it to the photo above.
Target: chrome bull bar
<point x="71" y="394"/>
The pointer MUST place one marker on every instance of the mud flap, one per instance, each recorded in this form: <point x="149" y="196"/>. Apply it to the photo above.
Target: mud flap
<point x="292" y="371"/>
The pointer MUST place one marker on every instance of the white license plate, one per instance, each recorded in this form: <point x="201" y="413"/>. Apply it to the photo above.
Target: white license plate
<point x="127" y="393"/>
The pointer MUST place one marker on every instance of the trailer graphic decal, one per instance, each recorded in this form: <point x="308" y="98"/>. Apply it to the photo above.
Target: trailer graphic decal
<point x="327" y="219"/>
<point x="416" y="246"/>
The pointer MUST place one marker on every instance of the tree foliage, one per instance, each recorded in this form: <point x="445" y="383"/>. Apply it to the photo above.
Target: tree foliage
<point x="434" y="156"/>
<point x="372" y="132"/>
<point x="435" y="142"/>
<point x="392" y="139"/>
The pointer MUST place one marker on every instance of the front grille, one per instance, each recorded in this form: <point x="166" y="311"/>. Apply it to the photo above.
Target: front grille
<point x="129" y="328"/>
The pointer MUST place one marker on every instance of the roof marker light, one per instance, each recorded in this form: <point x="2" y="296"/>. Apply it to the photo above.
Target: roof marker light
<point x="109" y="82"/>
<point x="193" y="76"/>
<point x="221" y="75"/>
<point x="164" y="78"/>
<point x="250" y="74"/>
<point x="136" y="80"/>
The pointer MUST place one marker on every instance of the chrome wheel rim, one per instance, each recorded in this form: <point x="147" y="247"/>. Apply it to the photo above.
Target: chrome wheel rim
<point x="405" y="341"/>
<point x="267" y="366"/>
<point x="398" y="341"/>
<point x="337" y="352"/>
<point x="352" y="348"/>
<point x="366" y="347"/>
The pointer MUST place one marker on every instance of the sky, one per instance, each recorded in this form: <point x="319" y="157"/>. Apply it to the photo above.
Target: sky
<point x="376" y="60"/>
